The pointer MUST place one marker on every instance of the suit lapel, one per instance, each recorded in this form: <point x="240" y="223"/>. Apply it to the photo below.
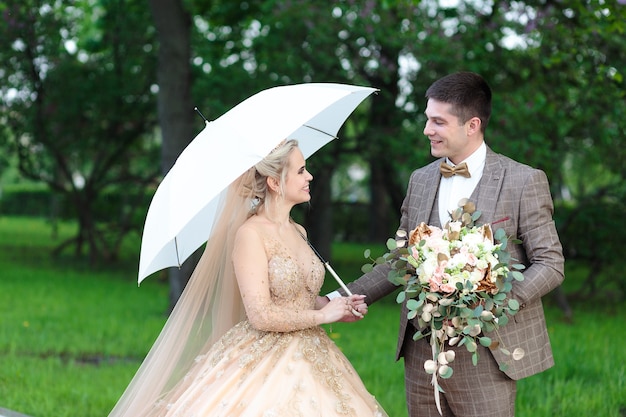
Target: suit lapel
<point x="428" y="194"/>
<point x="486" y="193"/>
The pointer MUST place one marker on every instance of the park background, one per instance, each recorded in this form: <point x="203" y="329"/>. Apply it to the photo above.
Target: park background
<point x="96" y="103"/>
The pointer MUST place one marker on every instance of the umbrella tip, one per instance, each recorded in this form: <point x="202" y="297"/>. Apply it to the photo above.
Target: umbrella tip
<point x="201" y="115"/>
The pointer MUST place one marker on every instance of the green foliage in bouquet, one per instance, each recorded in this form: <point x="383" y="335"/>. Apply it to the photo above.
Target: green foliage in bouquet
<point x="457" y="284"/>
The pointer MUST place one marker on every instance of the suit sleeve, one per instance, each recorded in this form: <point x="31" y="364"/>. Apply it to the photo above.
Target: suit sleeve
<point x="540" y="241"/>
<point x="375" y="285"/>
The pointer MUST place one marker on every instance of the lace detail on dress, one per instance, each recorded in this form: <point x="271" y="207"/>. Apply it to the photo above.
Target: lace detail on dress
<point x="313" y="346"/>
<point x="293" y="289"/>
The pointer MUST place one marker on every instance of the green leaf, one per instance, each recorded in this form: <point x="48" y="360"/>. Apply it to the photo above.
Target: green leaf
<point x="499" y="296"/>
<point x="391" y="244"/>
<point x="418" y="335"/>
<point x="513" y="304"/>
<point x="475" y="359"/>
<point x="400" y="297"/>
<point x="413" y="304"/>
<point x="367" y="253"/>
<point x="367" y="268"/>
<point x="471" y="346"/>
<point x="518" y="276"/>
<point x="485" y="341"/>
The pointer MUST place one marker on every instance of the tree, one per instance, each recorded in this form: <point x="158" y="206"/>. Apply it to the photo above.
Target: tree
<point x="77" y="100"/>
<point x="173" y="25"/>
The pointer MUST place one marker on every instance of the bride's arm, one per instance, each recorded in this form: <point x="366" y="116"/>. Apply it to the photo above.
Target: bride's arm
<point x="251" y="269"/>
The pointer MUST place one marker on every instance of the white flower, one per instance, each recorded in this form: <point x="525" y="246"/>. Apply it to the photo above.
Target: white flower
<point x="455" y="226"/>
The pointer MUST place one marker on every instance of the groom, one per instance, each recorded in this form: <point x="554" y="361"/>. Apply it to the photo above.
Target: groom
<point x="458" y="111"/>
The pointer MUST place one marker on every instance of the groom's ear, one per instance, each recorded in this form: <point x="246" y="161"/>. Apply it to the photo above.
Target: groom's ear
<point x="473" y="126"/>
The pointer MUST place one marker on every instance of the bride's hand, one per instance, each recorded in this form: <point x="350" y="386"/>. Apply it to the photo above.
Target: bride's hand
<point x="340" y="308"/>
<point x="358" y="308"/>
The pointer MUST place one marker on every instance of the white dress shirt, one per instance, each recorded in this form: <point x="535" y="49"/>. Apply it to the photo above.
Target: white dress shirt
<point x="456" y="187"/>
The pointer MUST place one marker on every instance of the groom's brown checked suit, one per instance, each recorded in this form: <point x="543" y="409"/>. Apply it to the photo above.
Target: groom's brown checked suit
<point x="506" y="189"/>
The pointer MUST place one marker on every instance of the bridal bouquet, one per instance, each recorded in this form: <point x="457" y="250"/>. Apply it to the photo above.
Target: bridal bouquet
<point x="456" y="283"/>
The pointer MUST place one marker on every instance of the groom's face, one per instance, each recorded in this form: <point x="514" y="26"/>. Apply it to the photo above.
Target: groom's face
<point x="448" y="136"/>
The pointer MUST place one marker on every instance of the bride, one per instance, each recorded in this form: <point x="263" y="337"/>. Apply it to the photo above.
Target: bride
<point x="245" y="337"/>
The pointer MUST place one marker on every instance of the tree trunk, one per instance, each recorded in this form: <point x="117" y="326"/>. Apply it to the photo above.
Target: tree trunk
<point x="175" y="107"/>
<point x="379" y="205"/>
<point x="319" y="218"/>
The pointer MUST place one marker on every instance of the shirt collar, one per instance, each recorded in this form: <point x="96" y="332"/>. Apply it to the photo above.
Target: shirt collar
<point x="475" y="161"/>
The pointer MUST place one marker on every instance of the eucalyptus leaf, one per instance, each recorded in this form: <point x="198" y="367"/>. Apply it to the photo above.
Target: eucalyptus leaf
<point x="418" y="335"/>
<point x="518" y="276"/>
<point x="485" y="341"/>
<point x="367" y="268"/>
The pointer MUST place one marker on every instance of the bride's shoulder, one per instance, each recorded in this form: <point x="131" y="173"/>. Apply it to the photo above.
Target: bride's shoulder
<point x="254" y="226"/>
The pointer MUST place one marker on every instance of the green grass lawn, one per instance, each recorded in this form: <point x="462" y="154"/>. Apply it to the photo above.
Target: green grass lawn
<point x="72" y="336"/>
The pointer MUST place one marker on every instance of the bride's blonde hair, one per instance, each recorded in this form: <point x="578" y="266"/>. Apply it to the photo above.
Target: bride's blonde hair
<point x="273" y="165"/>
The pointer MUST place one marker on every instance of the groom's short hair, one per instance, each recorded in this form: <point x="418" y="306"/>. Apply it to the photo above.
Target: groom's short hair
<point x="467" y="92"/>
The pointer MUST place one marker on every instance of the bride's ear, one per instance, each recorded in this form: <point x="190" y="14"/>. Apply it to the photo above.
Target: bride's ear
<point x="273" y="184"/>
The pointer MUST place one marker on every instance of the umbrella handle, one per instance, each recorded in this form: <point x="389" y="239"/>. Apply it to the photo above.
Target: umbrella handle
<point x="341" y="284"/>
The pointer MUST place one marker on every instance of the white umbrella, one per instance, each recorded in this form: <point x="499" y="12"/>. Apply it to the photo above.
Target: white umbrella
<point x="180" y="216"/>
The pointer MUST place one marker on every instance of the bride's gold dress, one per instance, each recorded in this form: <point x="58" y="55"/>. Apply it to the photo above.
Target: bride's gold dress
<point x="292" y="370"/>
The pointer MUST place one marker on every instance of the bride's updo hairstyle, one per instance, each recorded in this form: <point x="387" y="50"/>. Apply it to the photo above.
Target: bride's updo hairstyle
<point x="272" y="166"/>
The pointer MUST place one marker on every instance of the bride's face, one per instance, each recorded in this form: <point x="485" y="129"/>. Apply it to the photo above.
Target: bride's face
<point x="297" y="179"/>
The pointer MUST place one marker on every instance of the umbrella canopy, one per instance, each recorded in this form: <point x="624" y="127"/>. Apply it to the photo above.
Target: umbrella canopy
<point x="180" y="216"/>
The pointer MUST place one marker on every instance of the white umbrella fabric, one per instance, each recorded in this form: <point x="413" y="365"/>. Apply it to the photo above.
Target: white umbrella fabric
<point x="180" y="216"/>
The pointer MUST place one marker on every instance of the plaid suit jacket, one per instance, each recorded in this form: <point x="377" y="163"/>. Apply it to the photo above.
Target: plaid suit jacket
<point x="506" y="189"/>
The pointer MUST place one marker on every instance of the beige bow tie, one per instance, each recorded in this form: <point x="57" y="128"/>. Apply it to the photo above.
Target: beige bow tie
<point x="461" y="169"/>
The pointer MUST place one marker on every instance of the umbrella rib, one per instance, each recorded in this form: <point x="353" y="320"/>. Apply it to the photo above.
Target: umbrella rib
<point x="176" y="246"/>
<point x="321" y="131"/>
